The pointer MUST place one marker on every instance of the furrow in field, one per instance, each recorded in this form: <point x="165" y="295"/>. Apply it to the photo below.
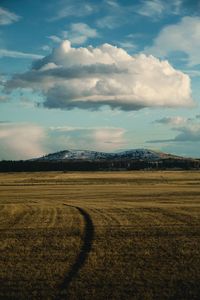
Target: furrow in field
<point x="59" y="219"/>
<point x="106" y="218"/>
<point x="4" y="214"/>
<point x="176" y="215"/>
<point x="48" y="215"/>
<point x="127" y="217"/>
<point x="42" y="216"/>
<point x="36" y="216"/>
<point x="13" y="215"/>
<point x="30" y="218"/>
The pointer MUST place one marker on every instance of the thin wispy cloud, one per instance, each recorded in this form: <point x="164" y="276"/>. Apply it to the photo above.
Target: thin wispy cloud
<point x="127" y="45"/>
<point x="115" y="15"/>
<point x="151" y="8"/>
<point x="186" y="134"/>
<point x="160" y="9"/>
<point x="192" y="73"/>
<point x="118" y="14"/>
<point x="67" y="8"/>
<point x="21" y="141"/>
<point x="55" y="38"/>
<point x="101" y="138"/>
<point x="4" y="98"/>
<point x="7" y="17"/>
<point x="18" y="54"/>
<point x="172" y="121"/>
<point x="183" y="37"/>
<point x="25" y="140"/>
<point x="79" y="33"/>
<point x="109" y="22"/>
<point x="188" y="129"/>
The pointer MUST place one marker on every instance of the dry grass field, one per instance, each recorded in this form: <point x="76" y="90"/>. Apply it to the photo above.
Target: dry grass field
<point x="105" y="235"/>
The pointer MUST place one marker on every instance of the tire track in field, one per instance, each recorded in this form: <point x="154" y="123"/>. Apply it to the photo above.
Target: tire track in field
<point x="83" y="254"/>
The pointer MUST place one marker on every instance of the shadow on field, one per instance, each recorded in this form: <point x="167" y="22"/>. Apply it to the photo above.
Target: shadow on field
<point x="83" y="254"/>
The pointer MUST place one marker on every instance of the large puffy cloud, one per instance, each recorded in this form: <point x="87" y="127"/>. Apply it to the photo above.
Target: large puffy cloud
<point x="24" y="141"/>
<point x="183" y="36"/>
<point x="90" y="77"/>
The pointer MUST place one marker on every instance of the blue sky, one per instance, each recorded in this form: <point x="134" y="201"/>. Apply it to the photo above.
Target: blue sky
<point x="100" y="75"/>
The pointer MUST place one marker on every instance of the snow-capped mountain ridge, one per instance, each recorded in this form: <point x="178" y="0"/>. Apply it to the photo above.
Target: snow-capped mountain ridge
<point x="96" y="155"/>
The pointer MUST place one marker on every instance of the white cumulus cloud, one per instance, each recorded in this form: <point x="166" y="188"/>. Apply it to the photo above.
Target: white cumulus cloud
<point x="89" y="78"/>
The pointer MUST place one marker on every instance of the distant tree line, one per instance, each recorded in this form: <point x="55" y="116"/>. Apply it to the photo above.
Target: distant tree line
<point x="98" y="165"/>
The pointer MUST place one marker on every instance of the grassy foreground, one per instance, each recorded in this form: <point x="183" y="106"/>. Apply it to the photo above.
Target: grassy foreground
<point x="117" y="235"/>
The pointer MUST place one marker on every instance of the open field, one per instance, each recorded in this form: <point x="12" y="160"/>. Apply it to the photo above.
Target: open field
<point x="117" y="235"/>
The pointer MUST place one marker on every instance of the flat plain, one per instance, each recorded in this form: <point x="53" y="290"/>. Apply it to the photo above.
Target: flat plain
<point x="100" y="235"/>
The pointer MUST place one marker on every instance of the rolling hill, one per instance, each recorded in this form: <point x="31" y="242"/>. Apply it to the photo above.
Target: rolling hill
<point x="87" y="155"/>
<point x="86" y="160"/>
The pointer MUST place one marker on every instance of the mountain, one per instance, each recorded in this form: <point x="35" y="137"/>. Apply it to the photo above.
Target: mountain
<point x="86" y="160"/>
<point x="87" y="155"/>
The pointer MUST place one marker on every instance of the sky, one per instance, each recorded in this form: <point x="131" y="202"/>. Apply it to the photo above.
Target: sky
<point x="100" y="75"/>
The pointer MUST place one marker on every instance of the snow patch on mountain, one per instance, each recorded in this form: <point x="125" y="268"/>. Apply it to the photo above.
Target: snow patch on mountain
<point x="95" y="155"/>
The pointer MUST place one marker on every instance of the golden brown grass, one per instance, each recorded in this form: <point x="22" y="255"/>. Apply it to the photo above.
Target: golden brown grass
<point x="145" y="242"/>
